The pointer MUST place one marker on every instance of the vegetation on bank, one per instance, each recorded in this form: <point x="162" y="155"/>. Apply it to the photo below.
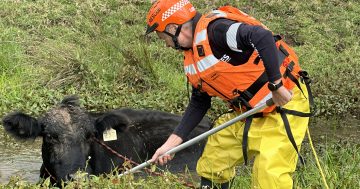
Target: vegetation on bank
<point x="96" y="49"/>
<point x="340" y="162"/>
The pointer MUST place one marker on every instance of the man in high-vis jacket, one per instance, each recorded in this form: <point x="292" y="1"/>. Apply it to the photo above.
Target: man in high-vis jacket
<point x="231" y="55"/>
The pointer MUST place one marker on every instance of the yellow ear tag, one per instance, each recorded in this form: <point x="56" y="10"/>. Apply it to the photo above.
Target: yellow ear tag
<point x="109" y="135"/>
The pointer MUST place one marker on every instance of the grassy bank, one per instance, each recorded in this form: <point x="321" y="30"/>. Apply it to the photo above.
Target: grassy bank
<point x="96" y="49"/>
<point x="340" y="162"/>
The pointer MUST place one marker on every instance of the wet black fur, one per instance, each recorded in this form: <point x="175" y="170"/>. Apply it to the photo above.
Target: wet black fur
<point x="114" y="120"/>
<point x="21" y="125"/>
<point x="72" y="100"/>
<point x="67" y="131"/>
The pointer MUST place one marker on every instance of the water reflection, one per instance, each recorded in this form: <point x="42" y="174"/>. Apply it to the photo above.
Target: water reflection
<point x="22" y="160"/>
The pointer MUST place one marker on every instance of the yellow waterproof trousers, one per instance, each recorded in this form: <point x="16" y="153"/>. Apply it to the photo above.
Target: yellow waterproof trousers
<point x="275" y="157"/>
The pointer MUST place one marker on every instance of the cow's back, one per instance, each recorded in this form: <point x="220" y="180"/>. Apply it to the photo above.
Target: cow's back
<point x="147" y="131"/>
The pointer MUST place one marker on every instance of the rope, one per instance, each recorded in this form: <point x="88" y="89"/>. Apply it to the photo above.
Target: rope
<point x="51" y="176"/>
<point x="317" y="159"/>
<point x="189" y="185"/>
<point x="123" y="157"/>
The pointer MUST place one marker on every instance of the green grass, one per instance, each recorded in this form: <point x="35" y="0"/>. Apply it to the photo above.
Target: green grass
<point x="340" y="163"/>
<point x="96" y="49"/>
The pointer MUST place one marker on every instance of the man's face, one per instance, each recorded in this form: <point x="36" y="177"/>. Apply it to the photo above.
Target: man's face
<point x="165" y="37"/>
<point x="184" y="39"/>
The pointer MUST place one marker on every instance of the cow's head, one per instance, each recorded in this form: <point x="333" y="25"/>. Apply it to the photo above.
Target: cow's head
<point x="67" y="132"/>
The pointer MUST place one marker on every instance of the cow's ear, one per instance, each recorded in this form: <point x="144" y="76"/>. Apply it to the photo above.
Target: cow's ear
<point x="72" y="100"/>
<point x="21" y="125"/>
<point x="114" y="120"/>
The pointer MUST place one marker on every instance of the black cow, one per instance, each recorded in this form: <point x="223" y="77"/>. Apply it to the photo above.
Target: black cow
<point x="68" y="145"/>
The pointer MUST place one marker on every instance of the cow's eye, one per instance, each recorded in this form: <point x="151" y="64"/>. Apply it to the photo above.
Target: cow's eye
<point x="52" y="137"/>
<point x="89" y="135"/>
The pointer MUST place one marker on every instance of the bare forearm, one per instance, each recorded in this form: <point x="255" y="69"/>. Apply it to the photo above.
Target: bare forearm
<point x="173" y="140"/>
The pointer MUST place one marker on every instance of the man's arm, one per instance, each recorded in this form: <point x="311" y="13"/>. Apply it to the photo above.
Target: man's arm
<point x="241" y="38"/>
<point x="197" y="108"/>
<point x="263" y="42"/>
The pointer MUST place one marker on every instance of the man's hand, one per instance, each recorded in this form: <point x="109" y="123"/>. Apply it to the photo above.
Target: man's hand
<point x="281" y="96"/>
<point x="171" y="142"/>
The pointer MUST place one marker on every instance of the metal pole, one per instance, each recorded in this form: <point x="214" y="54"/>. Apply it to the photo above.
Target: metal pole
<point x="204" y="135"/>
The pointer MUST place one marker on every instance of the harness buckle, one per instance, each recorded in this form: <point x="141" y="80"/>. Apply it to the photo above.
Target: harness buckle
<point x="304" y="76"/>
<point x="200" y="50"/>
<point x="239" y="101"/>
<point x="289" y="69"/>
<point x="277" y="38"/>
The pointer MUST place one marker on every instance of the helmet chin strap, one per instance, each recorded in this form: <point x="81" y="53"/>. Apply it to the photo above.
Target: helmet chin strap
<point x="175" y="39"/>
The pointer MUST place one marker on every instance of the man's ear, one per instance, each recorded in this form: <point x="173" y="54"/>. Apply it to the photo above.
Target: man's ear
<point x="115" y="120"/>
<point x="171" y="28"/>
<point x="21" y="125"/>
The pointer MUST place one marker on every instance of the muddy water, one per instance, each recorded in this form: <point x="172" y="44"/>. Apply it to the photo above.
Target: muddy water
<point x="334" y="129"/>
<point x="23" y="159"/>
<point x="19" y="159"/>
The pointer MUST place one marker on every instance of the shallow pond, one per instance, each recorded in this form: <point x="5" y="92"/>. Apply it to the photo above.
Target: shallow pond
<point x="20" y="159"/>
<point x="24" y="158"/>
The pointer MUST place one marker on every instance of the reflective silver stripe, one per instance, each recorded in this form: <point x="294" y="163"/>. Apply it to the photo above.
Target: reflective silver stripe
<point x="200" y="36"/>
<point x="190" y="69"/>
<point x="207" y="62"/>
<point x="267" y="97"/>
<point x="231" y="37"/>
<point x="219" y="13"/>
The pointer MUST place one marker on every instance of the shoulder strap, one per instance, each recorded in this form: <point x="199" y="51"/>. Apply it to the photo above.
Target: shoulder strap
<point x="245" y="17"/>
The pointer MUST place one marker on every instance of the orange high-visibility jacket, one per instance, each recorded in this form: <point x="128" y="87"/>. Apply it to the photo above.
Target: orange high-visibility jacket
<point x="247" y="81"/>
